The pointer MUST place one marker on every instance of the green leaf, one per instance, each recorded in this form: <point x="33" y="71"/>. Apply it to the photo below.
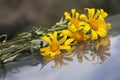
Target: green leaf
<point x="10" y="59"/>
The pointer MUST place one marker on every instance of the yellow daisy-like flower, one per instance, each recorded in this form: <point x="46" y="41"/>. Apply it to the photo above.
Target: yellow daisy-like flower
<point x="74" y="19"/>
<point x="77" y="36"/>
<point x="76" y="30"/>
<point x="54" y="45"/>
<point x="96" y="22"/>
<point x="74" y="23"/>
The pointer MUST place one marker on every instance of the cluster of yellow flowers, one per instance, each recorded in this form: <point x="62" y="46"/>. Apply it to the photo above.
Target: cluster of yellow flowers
<point x="86" y="35"/>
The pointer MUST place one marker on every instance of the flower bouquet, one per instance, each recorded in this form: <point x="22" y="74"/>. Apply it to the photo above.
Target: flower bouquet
<point x="80" y="35"/>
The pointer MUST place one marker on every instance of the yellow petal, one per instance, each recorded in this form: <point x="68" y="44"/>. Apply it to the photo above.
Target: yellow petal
<point x="77" y="15"/>
<point x="47" y="39"/>
<point x="66" y="32"/>
<point x="91" y="12"/>
<point x="53" y="54"/>
<point x="86" y="37"/>
<point x="101" y="32"/>
<point x="83" y="17"/>
<point x="46" y="53"/>
<point x="101" y="19"/>
<point x="68" y="41"/>
<point x="97" y="14"/>
<point x="67" y="15"/>
<point x="86" y="28"/>
<point x="44" y="49"/>
<point x="103" y="14"/>
<point x="94" y="35"/>
<point x="62" y="40"/>
<point x="54" y="38"/>
<point x="65" y="47"/>
<point x="73" y="12"/>
<point x="82" y="23"/>
<point x="50" y="35"/>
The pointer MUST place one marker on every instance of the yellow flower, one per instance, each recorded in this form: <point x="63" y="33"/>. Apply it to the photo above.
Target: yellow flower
<point x="74" y="23"/>
<point x="73" y="20"/>
<point x="76" y="30"/>
<point x="96" y="22"/>
<point x="54" y="45"/>
<point x="77" y="36"/>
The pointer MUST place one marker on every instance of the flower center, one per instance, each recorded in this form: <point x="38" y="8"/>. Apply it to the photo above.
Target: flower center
<point x="75" y="22"/>
<point x="93" y="23"/>
<point x="77" y="35"/>
<point x="54" y="46"/>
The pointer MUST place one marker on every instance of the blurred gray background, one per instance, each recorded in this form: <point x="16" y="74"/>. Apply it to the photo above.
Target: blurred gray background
<point x="20" y="15"/>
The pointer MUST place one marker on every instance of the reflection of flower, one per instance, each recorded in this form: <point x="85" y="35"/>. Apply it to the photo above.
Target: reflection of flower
<point x="59" y="59"/>
<point x="102" y="48"/>
<point x="96" y="22"/>
<point x="81" y="50"/>
<point x="54" y="45"/>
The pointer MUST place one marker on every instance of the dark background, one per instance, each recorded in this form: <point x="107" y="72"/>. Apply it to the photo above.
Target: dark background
<point x="20" y="15"/>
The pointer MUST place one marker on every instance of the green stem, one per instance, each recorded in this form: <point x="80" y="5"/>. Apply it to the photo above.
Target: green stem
<point x="24" y="48"/>
<point x="14" y="41"/>
<point x="57" y="29"/>
<point x="11" y="42"/>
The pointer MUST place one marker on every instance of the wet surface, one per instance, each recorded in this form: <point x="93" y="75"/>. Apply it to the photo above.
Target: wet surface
<point x="109" y="70"/>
